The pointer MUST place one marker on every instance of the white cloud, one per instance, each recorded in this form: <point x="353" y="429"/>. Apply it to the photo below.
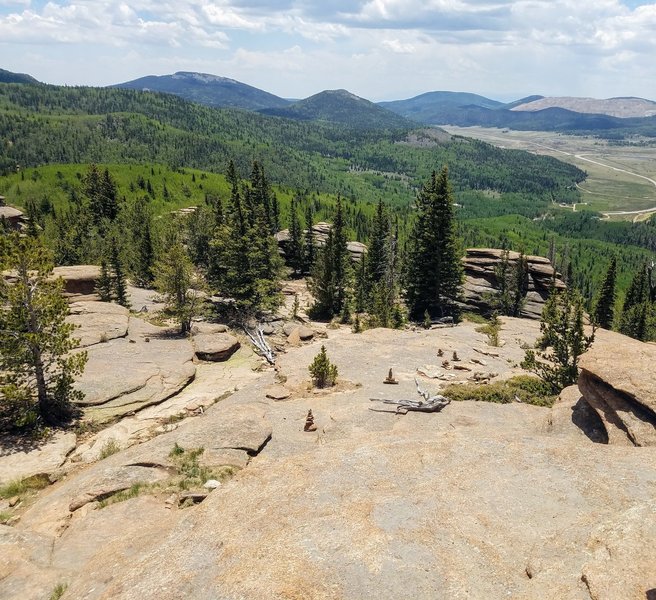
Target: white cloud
<point x="378" y="48"/>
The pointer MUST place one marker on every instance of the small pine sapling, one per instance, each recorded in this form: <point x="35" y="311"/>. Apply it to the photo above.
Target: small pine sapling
<point x="324" y="374"/>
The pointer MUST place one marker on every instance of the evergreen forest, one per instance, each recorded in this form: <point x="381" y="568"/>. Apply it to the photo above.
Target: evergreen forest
<point x="105" y="175"/>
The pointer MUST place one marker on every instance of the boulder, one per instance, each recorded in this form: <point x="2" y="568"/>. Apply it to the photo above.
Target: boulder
<point x="572" y="416"/>
<point x="294" y="338"/>
<point x="200" y="327"/>
<point x="78" y="279"/>
<point x="304" y="333"/>
<point x="215" y="347"/>
<point x="278" y="392"/>
<point x="319" y="236"/>
<point x="481" y="285"/>
<point x="98" y="322"/>
<point x="618" y="380"/>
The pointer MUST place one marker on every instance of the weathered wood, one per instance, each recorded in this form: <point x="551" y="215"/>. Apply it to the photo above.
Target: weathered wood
<point x="261" y="344"/>
<point x="429" y="404"/>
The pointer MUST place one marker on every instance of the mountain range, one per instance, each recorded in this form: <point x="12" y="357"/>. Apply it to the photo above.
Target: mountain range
<point x="613" y="118"/>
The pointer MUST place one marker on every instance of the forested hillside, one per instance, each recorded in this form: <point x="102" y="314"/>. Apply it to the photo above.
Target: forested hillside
<point x="173" y="153"/>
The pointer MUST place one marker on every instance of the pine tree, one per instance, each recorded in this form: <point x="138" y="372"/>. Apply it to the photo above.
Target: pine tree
<point x="104" y="283"/>
<point x="309" y="257"/>
<point x="378" y="254"/>
<point x="434" y="271"/>
<point x="244" y="263"/>
<point x="119" y="278"/>
<point x="331" y="276"/>
<point x="296" y="250"/>
<point x="605" y="306"/>
<point x="563" y="341"/>
<point x="175" y="280"/>
<point x="324" y="373"/>
<point x="142" y="242"/>
<point x="37" y="367"/>
<point x="635" y="310"/>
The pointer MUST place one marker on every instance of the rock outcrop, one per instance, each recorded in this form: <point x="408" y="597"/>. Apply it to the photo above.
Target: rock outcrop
<point x="215" y="347"/>
<point x="35" y="458"/>
<point x="319" y="235"/>
<point x="79" y="280"/>
<point x="127" y="374"/>
<point x="481" y="284"/>
<point x="621" y="389"/>
<point x="98" y="322"/>
<point x="480" y="500"/>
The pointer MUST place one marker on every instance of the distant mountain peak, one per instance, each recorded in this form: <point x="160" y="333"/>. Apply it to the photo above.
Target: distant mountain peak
<point x="204" y="77"/>
<point x="342" y="106"/>
<point x="11" y="77"/>
<point x="212" y="90"/>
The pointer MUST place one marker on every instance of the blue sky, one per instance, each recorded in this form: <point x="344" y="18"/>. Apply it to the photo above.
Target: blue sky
<point x="379" y="49"/>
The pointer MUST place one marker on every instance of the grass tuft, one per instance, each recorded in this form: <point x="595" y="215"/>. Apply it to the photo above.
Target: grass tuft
<point x="58" y="591"/>
<point x="21" y="486"/>
<point x="109" y="447"/>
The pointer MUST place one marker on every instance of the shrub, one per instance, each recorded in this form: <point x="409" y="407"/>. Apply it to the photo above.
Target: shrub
<point x="522" y="388"/>
<point x="323" y="372"/>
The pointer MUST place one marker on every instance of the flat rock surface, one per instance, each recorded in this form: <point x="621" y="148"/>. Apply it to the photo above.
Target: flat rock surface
<point x="98" y="322"/>
<point x="477" y="501"/>
<point x="28" y="459"/>
<point x="125" y="375"/>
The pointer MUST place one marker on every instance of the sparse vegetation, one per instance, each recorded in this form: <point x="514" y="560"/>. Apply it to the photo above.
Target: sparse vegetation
<point x="21" y="486"/>
<point x="5" y="515"/>
<point x="522" y="388"/>
<point x="109" y="447"/>
<point x="324" y="373"/>
<point x="132" y="492"/>
<point x="58" y="591"/>
<point x="492" y="329"/>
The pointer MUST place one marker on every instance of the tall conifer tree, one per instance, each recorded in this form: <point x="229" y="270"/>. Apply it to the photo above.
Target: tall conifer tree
<point x="331" y="277"/>
<point x="604" y="312"/>
<point x="296" y="251"/>
<point x="434" y="271"/>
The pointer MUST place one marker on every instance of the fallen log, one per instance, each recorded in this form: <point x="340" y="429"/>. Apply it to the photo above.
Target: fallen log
<point x="261" y="344"/>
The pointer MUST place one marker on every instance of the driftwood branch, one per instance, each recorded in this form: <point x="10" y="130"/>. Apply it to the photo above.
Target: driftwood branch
<point x="261" y="344"/>
<point x="429" y="403"/>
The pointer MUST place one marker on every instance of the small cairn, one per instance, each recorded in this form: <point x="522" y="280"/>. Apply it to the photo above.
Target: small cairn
<point x="455" y="358"/>
<point x="440" y="352"/>
<point x="445" y="364"/>
<point x="390" y="379"/>
<point x="309" y="422"/>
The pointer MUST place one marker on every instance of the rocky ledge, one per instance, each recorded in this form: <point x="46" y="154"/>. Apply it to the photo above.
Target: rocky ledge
<point x="621" y="389"/>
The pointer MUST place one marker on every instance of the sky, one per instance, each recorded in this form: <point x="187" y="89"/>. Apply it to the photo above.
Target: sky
<point x="377" y="49"/>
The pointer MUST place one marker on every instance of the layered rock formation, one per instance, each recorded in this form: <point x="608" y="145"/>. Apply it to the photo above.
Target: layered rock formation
<point x="320" y="234"/>
<point x="618" y="380"/>
<point x="79" y="280"/>
<point x="481" y="283"/>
